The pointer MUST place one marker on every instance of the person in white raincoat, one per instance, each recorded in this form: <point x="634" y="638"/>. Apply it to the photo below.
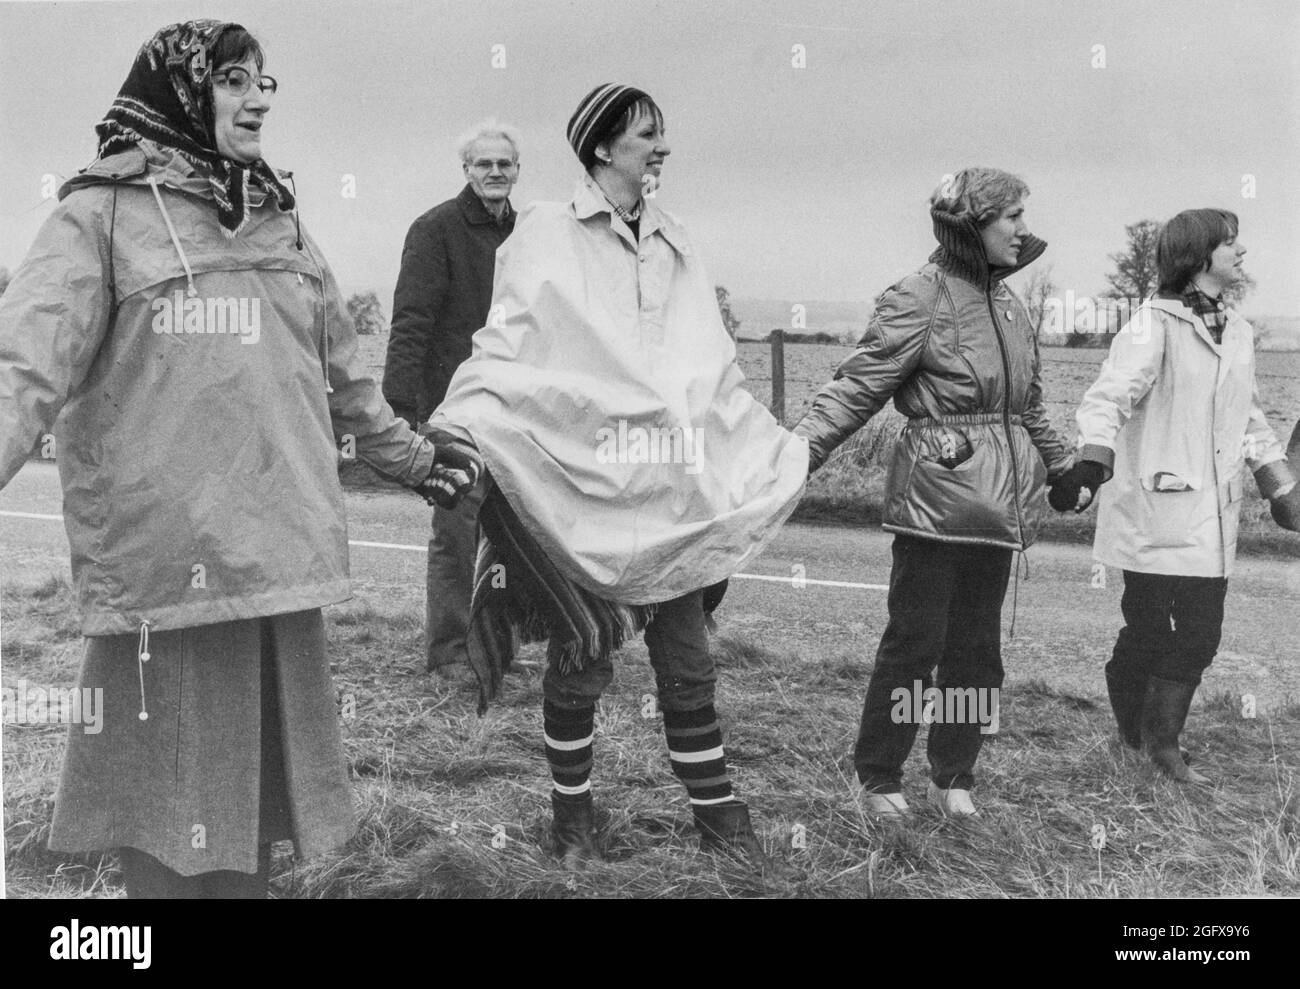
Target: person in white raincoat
<point x="604" y="397"/>
<point x="1174" y="415"/>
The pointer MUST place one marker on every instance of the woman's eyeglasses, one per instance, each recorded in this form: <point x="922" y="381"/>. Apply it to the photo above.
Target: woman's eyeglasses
<point x="237" y="81"/>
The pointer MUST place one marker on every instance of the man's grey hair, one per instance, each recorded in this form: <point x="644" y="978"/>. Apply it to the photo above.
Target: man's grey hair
<point x="489" y="128"/>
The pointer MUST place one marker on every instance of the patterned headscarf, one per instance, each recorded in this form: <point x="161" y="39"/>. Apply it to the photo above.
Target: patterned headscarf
<point x="167" y="98"/>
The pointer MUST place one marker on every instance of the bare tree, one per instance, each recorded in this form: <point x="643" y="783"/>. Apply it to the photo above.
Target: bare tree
<point x="1135" y="275"/>
<point x="1038" y="290"/>
<point x="729" y="320"/>
<point x="1235" y="295"/>
<point x="367" y="313"/>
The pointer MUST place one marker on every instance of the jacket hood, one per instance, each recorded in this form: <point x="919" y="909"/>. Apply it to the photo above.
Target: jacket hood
<point x="137" y="164"/>
<point x="961" y="250"/>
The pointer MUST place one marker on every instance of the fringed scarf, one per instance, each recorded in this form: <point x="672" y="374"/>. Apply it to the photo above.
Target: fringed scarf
<point x="519" y="596"/>
<point x="167" y="98"/>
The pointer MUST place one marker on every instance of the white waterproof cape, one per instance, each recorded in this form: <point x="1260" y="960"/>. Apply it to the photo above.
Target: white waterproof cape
<point x="605" y="399"/>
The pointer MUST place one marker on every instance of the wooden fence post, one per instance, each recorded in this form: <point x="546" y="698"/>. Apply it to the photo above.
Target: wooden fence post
<point x="778" y="375"/>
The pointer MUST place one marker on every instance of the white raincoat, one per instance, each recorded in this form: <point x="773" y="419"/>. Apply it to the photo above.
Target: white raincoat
<point x="605" y="398"/>
<point x="1176" y="416"/>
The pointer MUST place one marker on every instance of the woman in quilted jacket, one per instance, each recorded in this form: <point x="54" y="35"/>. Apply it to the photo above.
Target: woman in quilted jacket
<point x="955" y="350"/>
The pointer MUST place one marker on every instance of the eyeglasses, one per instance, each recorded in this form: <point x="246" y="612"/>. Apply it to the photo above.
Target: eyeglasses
<point x="487" y="164"/>
<point x="238" y="80"/>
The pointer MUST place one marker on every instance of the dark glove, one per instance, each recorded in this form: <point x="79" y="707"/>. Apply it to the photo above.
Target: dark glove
<point x="408" y="413"/>
<point x="445" y="488"/>
<point x="457" y="467"/>
<point x="1286" y="509"/>
<point x="1064" y="493"/>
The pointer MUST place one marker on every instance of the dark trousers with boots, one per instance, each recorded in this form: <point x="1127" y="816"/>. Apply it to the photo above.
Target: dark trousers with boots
<point x="1172" y="628"/>
<point x="945" y="610"/>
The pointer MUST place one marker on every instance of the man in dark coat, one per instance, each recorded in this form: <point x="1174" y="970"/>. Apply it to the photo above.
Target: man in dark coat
<point x="442" y="298"/>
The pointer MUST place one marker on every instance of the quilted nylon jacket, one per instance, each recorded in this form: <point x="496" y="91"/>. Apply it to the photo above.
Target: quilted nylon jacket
<point x="954" y="348"/>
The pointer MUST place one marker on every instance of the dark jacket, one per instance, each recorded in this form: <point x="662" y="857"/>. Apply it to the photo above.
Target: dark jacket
<point x="954" y="348"/>
<point x="442" y="298"/>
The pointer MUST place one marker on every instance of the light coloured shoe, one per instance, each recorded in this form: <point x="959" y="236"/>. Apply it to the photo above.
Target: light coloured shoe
<point x="884" y="804"/>
<point x="953" y="803"/>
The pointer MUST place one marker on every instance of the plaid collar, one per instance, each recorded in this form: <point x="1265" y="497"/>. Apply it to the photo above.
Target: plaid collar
<point x="1213" y="311"/>
<point x="627" y="215"/>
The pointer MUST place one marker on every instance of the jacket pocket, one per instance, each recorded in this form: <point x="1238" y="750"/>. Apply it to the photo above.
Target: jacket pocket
<point x="966" y="500"/>
<point x="948" y="447"/>
<point x="1174" y="516"/>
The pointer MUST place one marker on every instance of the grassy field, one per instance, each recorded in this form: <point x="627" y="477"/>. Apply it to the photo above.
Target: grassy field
<point x="453" y="806"/>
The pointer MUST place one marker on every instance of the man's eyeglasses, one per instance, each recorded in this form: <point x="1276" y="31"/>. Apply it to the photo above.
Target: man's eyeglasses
<point x="487" y="164"/>
<point x="237" y="80"/>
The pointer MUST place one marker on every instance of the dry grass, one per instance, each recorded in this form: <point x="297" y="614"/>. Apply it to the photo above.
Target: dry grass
<point x="453" y="806"/>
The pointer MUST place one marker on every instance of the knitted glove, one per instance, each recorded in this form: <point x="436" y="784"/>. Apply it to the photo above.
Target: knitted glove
<point x="1066" y="489"/>
<point x="1286" y="509"/>
<point x="456" y="469"/>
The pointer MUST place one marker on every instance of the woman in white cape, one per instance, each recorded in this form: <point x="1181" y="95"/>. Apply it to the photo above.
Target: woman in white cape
<point x="631" y="470"/>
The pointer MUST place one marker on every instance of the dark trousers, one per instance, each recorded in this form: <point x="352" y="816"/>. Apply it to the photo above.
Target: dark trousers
<point x="678" y="642"/>
<point x="945" y="611"/>
<point x="449" y="586"/>
<point x="1172" y="628"/>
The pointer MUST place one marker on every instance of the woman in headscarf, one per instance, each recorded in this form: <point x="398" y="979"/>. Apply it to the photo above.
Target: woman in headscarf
<point x="630" y="469"/>
<point x="195" y="343"/>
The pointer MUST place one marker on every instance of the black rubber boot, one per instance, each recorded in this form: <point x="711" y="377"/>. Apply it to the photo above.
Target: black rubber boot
<point x="148" y="879"/>
<point x="727" y="830"/>
<point x="229" y="885"/>
<point x="1126" y="700"/>
<point x="573" y="829"/>
<point x="1163" y="715"/>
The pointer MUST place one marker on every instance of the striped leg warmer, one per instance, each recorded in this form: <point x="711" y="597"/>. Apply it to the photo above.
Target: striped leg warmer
<point x="568" y="749"/>
<point x="695" y="749"/>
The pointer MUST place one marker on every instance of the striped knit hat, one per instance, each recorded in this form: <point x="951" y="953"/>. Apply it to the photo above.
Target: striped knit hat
<point x="596" y="114"/>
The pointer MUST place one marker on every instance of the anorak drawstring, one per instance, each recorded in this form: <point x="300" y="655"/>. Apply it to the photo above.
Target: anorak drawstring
<point x="320" y="276"/>
<point x="142" y="657"/>
<point x="176" y="241"/>
<point x="297" y="226"/>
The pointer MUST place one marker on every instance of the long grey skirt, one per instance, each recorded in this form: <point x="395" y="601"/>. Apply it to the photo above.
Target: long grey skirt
<point x="241" y="746"/>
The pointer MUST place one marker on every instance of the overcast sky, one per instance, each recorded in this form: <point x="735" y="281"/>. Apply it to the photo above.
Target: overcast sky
<point x="796" y="183"/>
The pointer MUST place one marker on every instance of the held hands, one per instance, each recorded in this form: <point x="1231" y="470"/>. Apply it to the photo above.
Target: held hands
<point x="456" y="470"/>
<point x="1075" y="489"/>
<point x="1286" y="509"/>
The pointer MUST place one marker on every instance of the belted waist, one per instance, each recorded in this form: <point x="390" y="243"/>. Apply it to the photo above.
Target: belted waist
<point x="965" y="419"/>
